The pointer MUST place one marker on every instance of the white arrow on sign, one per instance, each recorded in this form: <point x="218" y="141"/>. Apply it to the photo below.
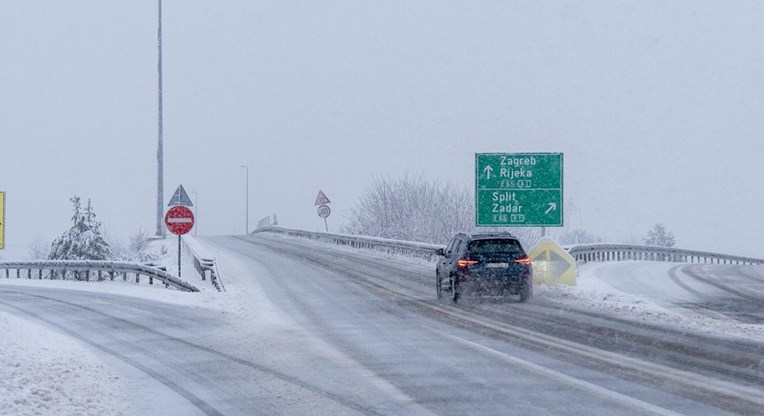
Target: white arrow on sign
<point x="487" y="170"/>
<point x="552" y="207"/>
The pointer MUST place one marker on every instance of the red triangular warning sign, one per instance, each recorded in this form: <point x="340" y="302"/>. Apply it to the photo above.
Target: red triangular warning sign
<point x="321" y="199"/>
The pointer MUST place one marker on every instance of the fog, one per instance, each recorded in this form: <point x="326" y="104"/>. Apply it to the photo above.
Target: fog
<point x="657" y="107"/>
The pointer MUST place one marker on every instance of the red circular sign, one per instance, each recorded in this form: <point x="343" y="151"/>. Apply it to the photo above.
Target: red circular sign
<point x="179" y="219"/>
<point x="324" y="211"/>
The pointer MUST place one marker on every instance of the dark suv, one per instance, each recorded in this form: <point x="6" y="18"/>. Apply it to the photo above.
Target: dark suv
<point x="486" y="263"/>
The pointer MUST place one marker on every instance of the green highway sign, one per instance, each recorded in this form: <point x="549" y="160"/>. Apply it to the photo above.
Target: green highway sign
<point x="519" y="189"/>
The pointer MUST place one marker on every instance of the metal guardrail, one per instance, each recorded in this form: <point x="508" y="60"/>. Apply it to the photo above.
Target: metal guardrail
<point x="582" y="253"/>
<point x="204" y="262"/>
<point x="411" y="248"/>
<point x="87" y="269"/>
<point x="622" y="252"/>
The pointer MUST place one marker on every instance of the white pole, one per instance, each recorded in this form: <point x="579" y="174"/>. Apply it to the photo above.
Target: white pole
<point x="247" y="204"/>
<point x="160" y="180"/>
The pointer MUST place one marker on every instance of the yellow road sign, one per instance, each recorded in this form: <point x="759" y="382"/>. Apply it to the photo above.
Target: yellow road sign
<point x="552" y="264"/>
<point x="2" y="220"/>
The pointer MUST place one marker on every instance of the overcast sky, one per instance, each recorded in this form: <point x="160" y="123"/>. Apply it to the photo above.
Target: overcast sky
<point x="657" y="107"/>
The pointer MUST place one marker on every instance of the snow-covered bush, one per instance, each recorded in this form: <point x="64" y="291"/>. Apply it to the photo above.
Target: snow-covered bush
<point x="576" y="236"/>
<point x="659" y="236"/>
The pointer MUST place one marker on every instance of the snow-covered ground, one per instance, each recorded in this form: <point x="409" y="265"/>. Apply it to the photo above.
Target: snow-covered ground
<point x="44" y="372"/>
<point x="592" y="292"/>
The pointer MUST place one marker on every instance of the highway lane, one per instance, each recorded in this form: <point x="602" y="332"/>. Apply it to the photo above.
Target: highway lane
<point x="344" y="299"/>
<point x="201" y="361"/>
<point x="303" y="332"/>
<point x="706" y="355"/>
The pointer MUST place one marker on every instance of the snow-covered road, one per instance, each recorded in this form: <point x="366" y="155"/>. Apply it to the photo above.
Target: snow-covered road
<point x="292" y="337"/>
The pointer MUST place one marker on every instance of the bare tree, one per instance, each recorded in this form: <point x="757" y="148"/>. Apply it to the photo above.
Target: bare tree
<point x="660" y="236"/>
<point x="411" y="208"/>
<point x="415" y="209"/>
<point x="38" y="249"/>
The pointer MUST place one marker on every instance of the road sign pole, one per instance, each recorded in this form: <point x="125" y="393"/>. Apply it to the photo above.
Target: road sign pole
<point x="326" y="227"/>
<point x="179" y="256"/>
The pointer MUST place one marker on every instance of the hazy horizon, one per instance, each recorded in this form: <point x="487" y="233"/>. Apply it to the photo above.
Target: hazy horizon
<point x="657" y="107"/>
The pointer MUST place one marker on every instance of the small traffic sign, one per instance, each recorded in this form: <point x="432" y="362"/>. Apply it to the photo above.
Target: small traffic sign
<point x="519" y="189"/>
<point x="180" y="197"/>
<point x="179" y="220"/>
<point x="321" y="199"/>
<point x="324" y="211"/>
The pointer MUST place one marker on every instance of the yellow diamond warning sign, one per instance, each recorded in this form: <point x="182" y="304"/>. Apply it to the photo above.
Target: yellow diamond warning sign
<point x="552" y="264"/>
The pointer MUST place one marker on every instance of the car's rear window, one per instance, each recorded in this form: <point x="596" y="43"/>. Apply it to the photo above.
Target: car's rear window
<point x="504" y="245"/>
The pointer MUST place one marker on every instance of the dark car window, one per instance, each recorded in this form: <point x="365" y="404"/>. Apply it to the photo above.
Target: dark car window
<point x="458" y="246"/>
<point x="508" y="246"/>
<point x="450" y="247"/>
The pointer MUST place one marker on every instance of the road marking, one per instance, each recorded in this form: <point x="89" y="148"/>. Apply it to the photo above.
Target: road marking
<point x="546" y="372"/>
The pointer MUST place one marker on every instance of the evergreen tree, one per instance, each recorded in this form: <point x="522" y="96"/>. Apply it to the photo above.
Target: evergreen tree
<point x="84" y="240"/>
<point x="659" y="236"/>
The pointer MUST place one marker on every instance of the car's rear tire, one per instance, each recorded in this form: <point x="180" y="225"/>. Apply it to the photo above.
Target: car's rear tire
<point x="439" y="289"/>
<point x="455" y="288"/>
<point x="526" y="292"/>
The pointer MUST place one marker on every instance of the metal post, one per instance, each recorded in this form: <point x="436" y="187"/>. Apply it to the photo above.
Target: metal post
<point x="179" y="256"/>
<point x="196" y="213"/>
<point x="247" y="204"/>
<point x="160" y="179"/>
<point x="326" y="228"/>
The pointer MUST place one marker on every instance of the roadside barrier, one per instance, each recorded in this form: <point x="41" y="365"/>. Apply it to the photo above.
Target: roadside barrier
<point x="204" y="262"/>
<point x="621" y="252"/>
<point x="411" y="248"/>
<point x="583" y="253"/>
<point x="86" y="270"/>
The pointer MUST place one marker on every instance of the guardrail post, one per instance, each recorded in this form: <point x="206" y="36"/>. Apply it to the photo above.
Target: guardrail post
<point x="151" y="280"/>
<point x="137" y="280"/>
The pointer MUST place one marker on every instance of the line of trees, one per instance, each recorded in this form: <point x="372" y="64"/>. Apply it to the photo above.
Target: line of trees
<point x="410" y="208"/>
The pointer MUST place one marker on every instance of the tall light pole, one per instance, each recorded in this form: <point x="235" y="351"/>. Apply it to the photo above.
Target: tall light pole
<point x="160" y="180"/>
<point x="247" y="204"/>
<point x="196" y="213"/>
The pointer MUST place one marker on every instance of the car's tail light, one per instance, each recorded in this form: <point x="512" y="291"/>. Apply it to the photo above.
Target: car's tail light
<point x="525" y="260"/>
<point x="463" y="263"/>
